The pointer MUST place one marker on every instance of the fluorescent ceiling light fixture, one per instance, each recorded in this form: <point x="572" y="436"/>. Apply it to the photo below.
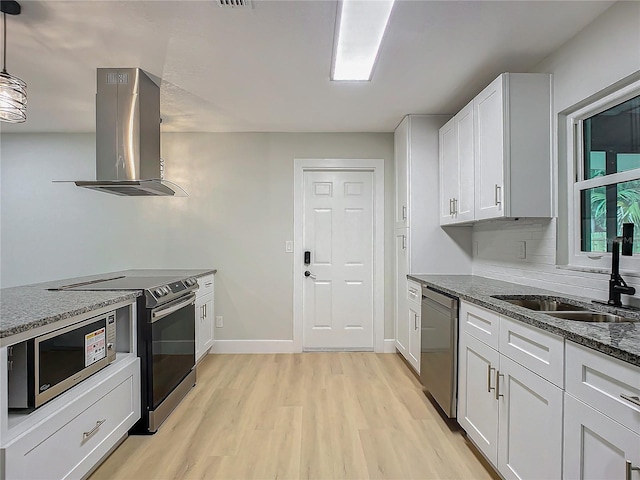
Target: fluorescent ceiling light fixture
<point x="361" y="26"/>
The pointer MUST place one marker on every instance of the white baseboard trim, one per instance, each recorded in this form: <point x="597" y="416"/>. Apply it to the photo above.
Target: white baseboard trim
<point x="253" y="346"/>
<point x="389" y="345"/>
<point x="273" y="346"/>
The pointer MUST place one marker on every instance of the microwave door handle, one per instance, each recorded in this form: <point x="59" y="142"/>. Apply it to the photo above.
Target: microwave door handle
<point x="161" y="312"/>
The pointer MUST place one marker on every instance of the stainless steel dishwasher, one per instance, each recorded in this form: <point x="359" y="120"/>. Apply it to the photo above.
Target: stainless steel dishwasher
<point x="439" y="348"/>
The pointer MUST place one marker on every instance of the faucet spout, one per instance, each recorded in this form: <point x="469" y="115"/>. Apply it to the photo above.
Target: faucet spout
<point x="617" y="285"/>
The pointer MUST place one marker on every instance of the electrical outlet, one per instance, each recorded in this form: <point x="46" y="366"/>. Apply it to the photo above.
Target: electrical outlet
<point x="288" y="246"/>
<point x="219" y="322"/>
<point x="522" y="250"/>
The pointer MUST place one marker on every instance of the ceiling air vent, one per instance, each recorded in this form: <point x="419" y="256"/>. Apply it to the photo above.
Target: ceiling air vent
<point x="234" y="3"/>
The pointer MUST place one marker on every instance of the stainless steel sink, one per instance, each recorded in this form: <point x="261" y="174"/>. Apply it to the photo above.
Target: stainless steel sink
<point x="564" y="310"/>
<point x="589" y="316"/>
<point x="542" y="304"/>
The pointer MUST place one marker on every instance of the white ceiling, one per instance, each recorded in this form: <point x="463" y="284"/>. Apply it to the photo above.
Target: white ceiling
<point x="267" y="68"/>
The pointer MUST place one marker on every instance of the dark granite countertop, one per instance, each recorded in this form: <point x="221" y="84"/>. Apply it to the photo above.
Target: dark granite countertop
<point x="619" y="340"/>
<point x="28" y="307"/>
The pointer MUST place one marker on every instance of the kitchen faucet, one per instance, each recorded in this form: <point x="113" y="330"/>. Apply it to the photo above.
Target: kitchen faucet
<point x="617" y="285"/>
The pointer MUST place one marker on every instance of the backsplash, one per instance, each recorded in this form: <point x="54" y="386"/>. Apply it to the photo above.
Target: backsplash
<point x="497" y="248"/>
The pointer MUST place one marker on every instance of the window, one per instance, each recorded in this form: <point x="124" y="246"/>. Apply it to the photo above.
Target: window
<point x="605" y="176"/>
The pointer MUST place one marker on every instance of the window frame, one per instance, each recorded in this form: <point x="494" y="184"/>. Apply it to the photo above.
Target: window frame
<point x="576" y="183"/>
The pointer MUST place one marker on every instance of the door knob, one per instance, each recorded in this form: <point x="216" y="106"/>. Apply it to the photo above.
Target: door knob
<point x="309" y="274"/>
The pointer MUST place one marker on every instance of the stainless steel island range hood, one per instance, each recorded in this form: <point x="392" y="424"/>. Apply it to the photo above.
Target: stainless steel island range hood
<point x="128" y="136"/>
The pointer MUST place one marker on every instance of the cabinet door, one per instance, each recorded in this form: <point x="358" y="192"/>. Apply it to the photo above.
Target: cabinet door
<point x="596" y="447"/>
<point x="401" y="270"/>
<point x="413" y="320"/>
<point x="402" y="149"/>
<point x="489" y="116"/>
<point x="199" y="315"/>
<point x="477" y="405"/>
<point x="448" y="162"/>
<point x="464" y="203"/>
<point x="530" y="434"/>
<point x="206" y="325"/>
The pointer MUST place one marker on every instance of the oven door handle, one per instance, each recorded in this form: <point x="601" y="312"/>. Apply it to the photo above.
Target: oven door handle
<point x="158" y="313"/>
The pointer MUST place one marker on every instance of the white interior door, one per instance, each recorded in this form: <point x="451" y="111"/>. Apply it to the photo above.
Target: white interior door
<point x="338" y="231"/>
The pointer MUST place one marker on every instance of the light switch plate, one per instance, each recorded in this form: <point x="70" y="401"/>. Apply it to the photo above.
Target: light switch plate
<point x="288" y="246"/>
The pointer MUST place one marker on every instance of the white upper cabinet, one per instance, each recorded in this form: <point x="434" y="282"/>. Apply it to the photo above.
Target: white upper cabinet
<point x="449" y="173"/>
<point x="456" y="168"/>
<point x="501" y="154"/>
<point x="513" y="147"/>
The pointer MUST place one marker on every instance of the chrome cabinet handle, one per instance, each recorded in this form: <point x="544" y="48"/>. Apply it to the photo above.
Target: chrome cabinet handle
<point x="404" y="212"/>
<point x="86" y="435"/>
<point x="635" y="400"/>
<point x="498" y="375"/>
<point x="404" y="242"/>
<point x="455" y="206"/>
<point x="630" y="470"/>
<point x="415" y="321"/>
<point x="489" y="387"/>
<point x="204" y="311"/>
<point x="451" y="207"/>
<point x="498" y="194"/>
<point x="208" y="284"/>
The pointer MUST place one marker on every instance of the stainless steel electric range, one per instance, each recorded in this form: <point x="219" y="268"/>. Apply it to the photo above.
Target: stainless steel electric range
<point x="166" y="340"/>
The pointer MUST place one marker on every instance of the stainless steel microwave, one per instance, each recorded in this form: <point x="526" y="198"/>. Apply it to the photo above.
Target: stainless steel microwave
<point x="41" y="368"/>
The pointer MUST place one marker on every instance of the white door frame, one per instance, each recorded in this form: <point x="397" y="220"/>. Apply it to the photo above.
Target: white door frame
<point x="376" y="166"/>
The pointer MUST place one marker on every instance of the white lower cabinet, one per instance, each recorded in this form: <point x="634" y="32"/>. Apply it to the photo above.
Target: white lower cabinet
<point x="204" y="325"/>
<point x="596" y="447"/>
<point x="530" y="424"/>
<point x="414" y="304"/>
<point x="204" y="316"/>
<point x="400" y="294"/>
<point x="513" y="415"/>
<point x="69" y="442"/>
<point x="602" y="417"/>
<point x="477" y="405"/>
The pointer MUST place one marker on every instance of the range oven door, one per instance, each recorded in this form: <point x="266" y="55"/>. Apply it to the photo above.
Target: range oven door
<point x="171" y="349"/>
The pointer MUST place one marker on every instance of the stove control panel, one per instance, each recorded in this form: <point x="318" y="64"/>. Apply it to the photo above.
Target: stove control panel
<point x="165" y="293"/>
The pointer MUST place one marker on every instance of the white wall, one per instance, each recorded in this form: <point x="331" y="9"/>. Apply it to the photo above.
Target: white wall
<point x="236" y="219"/>
<point x="604" y="53"/>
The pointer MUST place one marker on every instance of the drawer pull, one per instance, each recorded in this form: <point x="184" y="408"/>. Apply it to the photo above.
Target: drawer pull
<point x="86" y="435"/>
<point x="498" y="375"/>
<point x="635" y="400"/>
<point x="208" y="284"/>
<point x="630" y="470"/>
<point x="489" y="387"/>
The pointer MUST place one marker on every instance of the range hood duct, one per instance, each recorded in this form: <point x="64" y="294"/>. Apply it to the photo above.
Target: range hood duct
<point x="128" y="136"/>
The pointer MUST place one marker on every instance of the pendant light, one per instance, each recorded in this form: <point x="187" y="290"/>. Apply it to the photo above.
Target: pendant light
<point x="13" y="91"/>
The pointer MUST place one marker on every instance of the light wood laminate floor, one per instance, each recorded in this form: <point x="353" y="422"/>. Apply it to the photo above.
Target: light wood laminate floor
<point x="312" y="415"/>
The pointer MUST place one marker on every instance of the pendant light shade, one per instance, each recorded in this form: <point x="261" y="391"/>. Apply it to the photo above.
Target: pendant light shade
<point x="13" y="91"/>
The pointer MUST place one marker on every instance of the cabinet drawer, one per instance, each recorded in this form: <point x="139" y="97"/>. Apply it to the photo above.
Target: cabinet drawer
<point x="600" y="380"/>
<point x="539" y="351"/>
<point x="71" y="450"/>
<point x="414" y="292"/>
<point x="480" y="323"/>
<point x="205" y="285"/>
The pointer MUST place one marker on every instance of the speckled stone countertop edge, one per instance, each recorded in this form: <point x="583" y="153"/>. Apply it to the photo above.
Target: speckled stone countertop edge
<point x="118" y="297"/>
<point x="583" y="333"/>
